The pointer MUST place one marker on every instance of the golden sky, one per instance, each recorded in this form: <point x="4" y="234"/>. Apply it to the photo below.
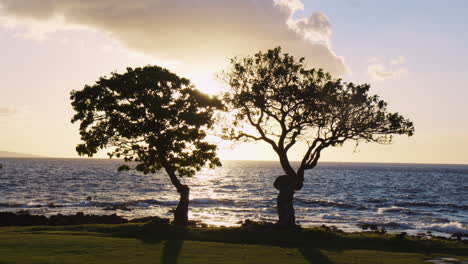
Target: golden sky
<point x="412" y="53"/>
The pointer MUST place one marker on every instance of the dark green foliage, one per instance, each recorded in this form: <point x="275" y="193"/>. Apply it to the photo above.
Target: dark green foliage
<point x="148" y="116"/>
<point x="285" y="103"/>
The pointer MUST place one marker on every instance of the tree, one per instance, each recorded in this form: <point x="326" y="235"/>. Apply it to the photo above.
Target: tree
<point x="151" y="118"/>
<point x="274" y="98"/>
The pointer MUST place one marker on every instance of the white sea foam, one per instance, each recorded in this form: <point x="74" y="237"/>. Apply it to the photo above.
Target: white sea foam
<point x="332" y="216"/>
<point x="394" y="209"/>
<point x="452" y="227"/>
<point x="143" y="204"/>
<point x="32" y="204"/>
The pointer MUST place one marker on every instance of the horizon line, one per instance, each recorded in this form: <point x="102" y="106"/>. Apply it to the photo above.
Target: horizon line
<point x="233" y="160"/>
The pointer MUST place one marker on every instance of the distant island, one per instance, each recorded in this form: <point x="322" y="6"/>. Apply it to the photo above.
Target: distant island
<point x="9" y="154"/>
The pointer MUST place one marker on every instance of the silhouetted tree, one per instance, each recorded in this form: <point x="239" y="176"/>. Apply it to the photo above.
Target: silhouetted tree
<point x="153" y="119"/>
<point x="276" y="99"/>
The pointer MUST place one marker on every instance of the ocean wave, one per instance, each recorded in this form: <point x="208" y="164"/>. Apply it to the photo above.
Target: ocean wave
<point x="327" y="203"/>
<point x="388" y="225"/>
<point x="377" y="200"/>
<point x="135" y="203"/>
<point x="29" y="205"/>
<point x="452" y="227"/>
<point x="432" y="205"/>
<point x="200" y="202"/>
<point x="396" y="225"/>
<point x="209" y="202"/>
<point x="230" y="187"/>
<point x="11" y="205"/>
<point x="397" y="210"/>
<point x="332" y="217"/>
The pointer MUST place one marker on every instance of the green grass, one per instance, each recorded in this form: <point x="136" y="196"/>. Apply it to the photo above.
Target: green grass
<point x="150" y="243"/>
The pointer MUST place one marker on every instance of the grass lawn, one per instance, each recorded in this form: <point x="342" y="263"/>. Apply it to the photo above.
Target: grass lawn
<point x="139" y="243"/>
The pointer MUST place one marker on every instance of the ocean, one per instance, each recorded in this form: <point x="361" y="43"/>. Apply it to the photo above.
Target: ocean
<point x="412" y="198"/>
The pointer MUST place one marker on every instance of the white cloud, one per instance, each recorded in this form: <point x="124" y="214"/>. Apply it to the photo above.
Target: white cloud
<point x="106" y="48"/>
<point x="6" y="111"/>
<point x="373" y="60"/>
<point x="293" y="5"/>
<point x="398" y="60"/>
<point x="379" y="70"/>
<point x="316" y="28"/>
<point x="9" y="111"/>
<point x="199" y="33"/>
<point x="30" y="28"/>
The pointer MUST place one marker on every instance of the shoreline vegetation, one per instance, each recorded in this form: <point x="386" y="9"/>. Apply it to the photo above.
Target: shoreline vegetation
<point x="84" y="238"/>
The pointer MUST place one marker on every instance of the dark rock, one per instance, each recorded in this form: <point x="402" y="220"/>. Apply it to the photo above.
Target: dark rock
<point x="26" y="219"/>
<point x="53" y="205"/>
<point x="458" y="236"/>
<point x="117" y="207"/>
<point x="195" y="223"/>
<point x="150" y="219"/>
<point x="59" y="220"/>
<point x="257" y="225"/>
<point x="332" y="229"/>
<point x="401" y="235"/>
<point x="366" y="226"/>
<point x="23" y="212"/>
<point x="372" y="227"/>
<point x="21" y="219"/>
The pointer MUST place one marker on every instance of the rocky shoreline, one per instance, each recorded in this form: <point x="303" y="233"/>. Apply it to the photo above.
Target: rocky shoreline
<point x="24" y="218"/>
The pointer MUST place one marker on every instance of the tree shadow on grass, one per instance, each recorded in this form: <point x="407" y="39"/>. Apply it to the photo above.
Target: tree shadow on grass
<point x="314" y="255"/>
<point x="307" y="241"/>
<point x="171" y="251"/>
<point x="155" y="233"/>
<point x="150" y="233"/>
<point x="173" y="238"/>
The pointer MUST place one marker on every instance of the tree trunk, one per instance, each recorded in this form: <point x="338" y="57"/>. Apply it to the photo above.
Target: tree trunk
<point x="181" y="212"/>
<point x="286" y="216"/>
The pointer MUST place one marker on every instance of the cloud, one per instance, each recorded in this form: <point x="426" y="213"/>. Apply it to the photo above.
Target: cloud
<point x="14" y="112"/>
<point x="199" y="33"/>
<point x="7" y="111"/>
<point x="316" y="28"/>
<point x="398" y="60"/>
<point x="31" y="28"/>
<point x="379" y="71"/>
<point x="293" y="5"/>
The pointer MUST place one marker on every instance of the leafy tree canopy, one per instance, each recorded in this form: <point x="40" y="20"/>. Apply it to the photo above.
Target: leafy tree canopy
<point x="276" y="98"/>
<point x="148" y="116"/>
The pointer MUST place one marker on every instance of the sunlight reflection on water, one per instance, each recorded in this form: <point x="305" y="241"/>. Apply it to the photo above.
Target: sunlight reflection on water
<point x="399" y="196"/>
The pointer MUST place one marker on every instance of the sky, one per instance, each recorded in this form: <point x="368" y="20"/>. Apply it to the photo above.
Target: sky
<point x="412" y="53"/>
